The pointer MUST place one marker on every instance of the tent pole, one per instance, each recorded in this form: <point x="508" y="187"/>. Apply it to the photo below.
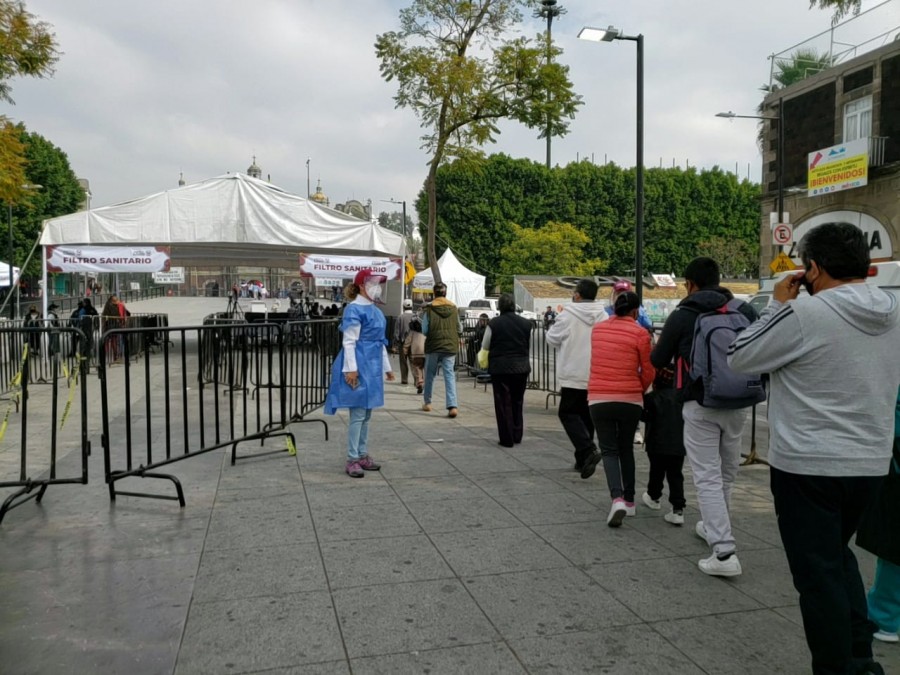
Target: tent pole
<point x="45" y="294"/>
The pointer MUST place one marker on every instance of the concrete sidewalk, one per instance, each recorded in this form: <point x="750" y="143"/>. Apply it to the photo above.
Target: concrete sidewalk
<point x="458" y="557"/>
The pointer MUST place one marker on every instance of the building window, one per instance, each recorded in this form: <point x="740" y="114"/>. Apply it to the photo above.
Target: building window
<point x="858" y="119"/>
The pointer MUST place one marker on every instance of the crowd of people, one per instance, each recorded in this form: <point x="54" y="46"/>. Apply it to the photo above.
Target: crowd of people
<point x="826" y="359"/>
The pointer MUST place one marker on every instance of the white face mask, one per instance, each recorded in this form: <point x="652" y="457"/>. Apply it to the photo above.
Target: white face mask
<point x="373" y="290"/>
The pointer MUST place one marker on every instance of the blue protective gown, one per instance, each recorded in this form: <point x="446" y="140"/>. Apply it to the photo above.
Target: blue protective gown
<point x="369" y="362"/>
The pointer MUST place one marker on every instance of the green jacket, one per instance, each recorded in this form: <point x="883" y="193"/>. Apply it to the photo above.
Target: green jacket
<point x="441" y="327"/>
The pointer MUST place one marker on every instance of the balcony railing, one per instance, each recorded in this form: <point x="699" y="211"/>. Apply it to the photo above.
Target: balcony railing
<point x="876" y="150"/>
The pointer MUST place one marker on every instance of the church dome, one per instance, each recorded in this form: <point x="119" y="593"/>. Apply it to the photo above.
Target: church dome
<point x="319" y="197"/>
<point x="254" y="170"/>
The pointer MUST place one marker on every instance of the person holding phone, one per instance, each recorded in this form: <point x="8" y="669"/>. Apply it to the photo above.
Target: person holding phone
<point x="832" y="361"/>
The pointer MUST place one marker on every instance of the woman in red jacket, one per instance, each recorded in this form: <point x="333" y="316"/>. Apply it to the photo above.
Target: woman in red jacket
<point x="620" y="374"/>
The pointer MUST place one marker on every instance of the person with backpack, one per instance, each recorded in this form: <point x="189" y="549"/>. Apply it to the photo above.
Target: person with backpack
<point x="712" y="425"/>
<point x="833" y="366"/>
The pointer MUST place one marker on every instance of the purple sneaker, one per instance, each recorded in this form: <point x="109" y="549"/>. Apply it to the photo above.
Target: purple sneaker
<point x="369" y="464"/>
<point x="354" y="470"/>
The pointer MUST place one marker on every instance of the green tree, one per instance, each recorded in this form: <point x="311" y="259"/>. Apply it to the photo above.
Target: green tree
<point x="841" y="7"/>
<point x="27" y="49"/>
<point x="458" y="70"/>
<point x="736" y="257"/>
<point x="392" y="220"/>
<point x="555" y="248"/>
<point x="800" y="65"/>
<point x="59" y="194"/>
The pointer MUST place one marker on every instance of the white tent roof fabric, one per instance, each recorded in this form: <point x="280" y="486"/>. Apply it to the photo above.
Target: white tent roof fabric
<point x="463" y="284"/>
<point x="229" y="218"/>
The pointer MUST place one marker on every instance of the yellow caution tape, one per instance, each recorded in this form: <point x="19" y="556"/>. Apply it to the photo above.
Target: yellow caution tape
<point x="291" y="448"/>
<point x="15" y="385"/>
<point x="72" y="385"/>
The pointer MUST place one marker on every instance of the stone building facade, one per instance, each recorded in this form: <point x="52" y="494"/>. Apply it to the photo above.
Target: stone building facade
<point x="856" y="99"/>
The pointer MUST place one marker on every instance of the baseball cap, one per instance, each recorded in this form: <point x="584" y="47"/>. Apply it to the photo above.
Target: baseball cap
<point x="622" y="285"/>
<point x="364" y="275"/>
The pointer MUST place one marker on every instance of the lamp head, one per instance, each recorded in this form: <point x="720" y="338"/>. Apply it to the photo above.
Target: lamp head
<point x="727" y="115"/>
<point x="599" y="34"/>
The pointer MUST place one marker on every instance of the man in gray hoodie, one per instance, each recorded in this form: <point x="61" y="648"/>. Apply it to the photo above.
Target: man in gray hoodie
<point x="832" y="358"/>
<point x="570" y="334"/>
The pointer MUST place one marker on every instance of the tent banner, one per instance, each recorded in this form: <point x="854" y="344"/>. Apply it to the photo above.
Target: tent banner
<point x="108" y="258"/>
<point x="346" y="266"/>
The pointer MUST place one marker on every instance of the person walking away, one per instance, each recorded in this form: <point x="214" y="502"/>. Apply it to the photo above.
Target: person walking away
<point x="570" y="335"/>
<point x="507" y="339"/>
<point x="33" y="320"/>
<point x="879" y="533"/>
<point x="712" y="436"/>
<point x="624" y="286"/>
<point x="88" y="312"/>
<point x="75" y="322"/>
<point x="414" y="348"/>
<point x="620" y="373"/>
<point x="664" y="443"/>
<point x="443" y="331"/>
<point x="831" y="356"/>
<point x="53" y="323"/>
<point x="401" y="331"/>
<point x="359" y="370"/>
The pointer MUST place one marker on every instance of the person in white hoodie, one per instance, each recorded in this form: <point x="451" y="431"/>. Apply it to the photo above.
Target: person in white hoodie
<point x="832" y="360"/>
<point x="570" y="335"/>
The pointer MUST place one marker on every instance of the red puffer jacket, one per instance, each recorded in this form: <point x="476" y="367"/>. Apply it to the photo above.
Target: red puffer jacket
<point x="620" y="361"/>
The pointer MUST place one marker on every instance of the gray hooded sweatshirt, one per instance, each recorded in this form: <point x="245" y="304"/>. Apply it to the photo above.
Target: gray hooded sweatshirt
<point x="834" y="363"/>
<point x="571" y="335"/>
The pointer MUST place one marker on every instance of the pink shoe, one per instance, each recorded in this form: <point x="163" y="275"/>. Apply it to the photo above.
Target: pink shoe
<point x="354" y="470"/>
<point x="369" y="464"/>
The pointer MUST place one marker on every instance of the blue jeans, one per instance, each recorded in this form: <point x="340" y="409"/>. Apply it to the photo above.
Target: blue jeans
<point x="358" y="433"/>
<point x="447" y="362"/>
<point x="884" y="597"/>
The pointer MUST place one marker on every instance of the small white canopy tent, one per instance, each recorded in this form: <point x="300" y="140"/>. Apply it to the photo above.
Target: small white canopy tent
<point x="463" y="284"/>
<point x="232" y="219"/>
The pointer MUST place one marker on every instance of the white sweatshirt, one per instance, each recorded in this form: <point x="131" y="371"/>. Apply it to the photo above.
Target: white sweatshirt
<point x="570" y="334"/>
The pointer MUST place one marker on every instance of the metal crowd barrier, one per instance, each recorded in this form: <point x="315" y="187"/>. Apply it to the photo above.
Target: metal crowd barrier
<point x="63" y="402"/>
<point x="192" y="396"/>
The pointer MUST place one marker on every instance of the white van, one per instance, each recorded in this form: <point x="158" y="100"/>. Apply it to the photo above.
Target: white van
<point x="885" y="275"/>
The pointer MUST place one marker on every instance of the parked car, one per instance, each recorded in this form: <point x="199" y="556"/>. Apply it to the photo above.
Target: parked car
<point x="489" y="306"/>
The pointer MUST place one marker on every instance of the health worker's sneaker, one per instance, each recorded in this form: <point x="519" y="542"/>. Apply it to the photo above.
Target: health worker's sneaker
<point x="354" y="470"/>
<point x="884" y="636"/>
<point x="369" y="464"/>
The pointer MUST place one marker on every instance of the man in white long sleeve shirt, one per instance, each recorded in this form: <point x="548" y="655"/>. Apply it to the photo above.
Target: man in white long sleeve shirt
<point x="834" y="368"/>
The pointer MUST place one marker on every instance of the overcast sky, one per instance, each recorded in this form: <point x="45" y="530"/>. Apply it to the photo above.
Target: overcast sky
<point x="146" y="90"/>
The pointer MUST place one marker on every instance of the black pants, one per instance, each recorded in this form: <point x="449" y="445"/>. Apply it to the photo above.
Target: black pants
<point x="509" y="397"/>
<point x="668" y="467"/>
<point x="817" y="516"/>
<point x="616" y="424"/>
<point x="576" y="420"/>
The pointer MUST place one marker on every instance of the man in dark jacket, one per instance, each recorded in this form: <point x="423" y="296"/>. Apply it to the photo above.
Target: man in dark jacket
<point x="443" y="330"/>
<point x="712" y="436"/>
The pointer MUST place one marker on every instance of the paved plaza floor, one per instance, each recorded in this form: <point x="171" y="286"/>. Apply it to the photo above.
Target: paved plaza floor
<point x="459" y="556"/>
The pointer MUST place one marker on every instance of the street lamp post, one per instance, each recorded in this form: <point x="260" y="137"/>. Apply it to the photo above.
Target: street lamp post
<point x="549" y="10"/>
<point x="608" y="35"/>
<point x="779" y="149"/>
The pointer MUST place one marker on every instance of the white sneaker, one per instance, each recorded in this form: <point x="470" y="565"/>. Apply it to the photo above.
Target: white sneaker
<point x="617" y="513"/>
<point x="630" y="509"/>
<point x="638" y="437"/>
<point x="700" y="531"/>
<point x="730" y="567"/>
<point x="650" y="503"/>
<point x="674" y="517"/>
<point x="884" y="636"/>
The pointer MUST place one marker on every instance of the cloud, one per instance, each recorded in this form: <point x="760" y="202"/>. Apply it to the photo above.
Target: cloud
<point x="144" y="91"/>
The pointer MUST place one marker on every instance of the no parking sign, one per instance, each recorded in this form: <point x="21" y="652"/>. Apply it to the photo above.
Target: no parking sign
<point x="782" y="234"/>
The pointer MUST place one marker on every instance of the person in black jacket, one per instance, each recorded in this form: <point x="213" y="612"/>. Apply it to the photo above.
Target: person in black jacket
<point x="879" y="533"/>
<point x="507" y="340"/>
<point x="712" y="436"/>
<point x="664" y="443"/>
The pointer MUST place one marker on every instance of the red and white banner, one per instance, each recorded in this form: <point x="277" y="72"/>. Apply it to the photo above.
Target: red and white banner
<point x="108" y="258"/>
<point x="346" y="266"/>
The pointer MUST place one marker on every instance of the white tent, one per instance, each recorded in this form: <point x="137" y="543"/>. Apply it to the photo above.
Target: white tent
<point x="463" y="284"/>
<point x="4" y="274"/>
<point x="232" y="219"/>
